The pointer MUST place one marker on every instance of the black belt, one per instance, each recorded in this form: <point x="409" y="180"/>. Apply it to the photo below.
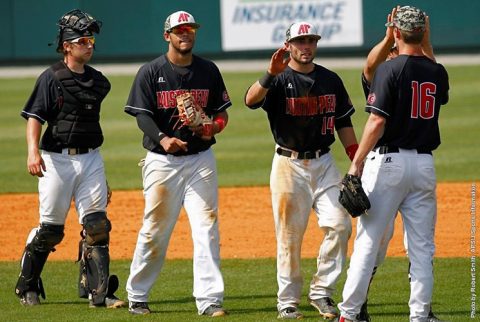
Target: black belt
<point x="302" y="155"/>
<point x="384" y="149"/>
<point x="72" y="151"/>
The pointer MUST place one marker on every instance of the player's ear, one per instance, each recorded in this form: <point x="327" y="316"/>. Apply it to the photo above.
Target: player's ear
<point x="166" y="36"/>
<point x="66" y="47"/>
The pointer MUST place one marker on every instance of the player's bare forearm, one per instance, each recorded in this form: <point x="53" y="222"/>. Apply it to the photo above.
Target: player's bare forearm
<point x="380" y="51"/>
<point x="347" y="136"/>
<point x="371" y="134"/>
<point x="35" y="163"/>
<point x="349" y="140"/>
<point x="255" y="94"/>
<point x="427" y="47"/>
<point x="376" y="56"/>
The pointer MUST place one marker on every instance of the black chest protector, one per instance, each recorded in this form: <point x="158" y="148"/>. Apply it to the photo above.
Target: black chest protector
<point x="78" y="122"/>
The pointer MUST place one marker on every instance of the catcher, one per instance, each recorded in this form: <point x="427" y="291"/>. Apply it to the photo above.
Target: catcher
<point x="180" y="102"/>
<point x="68" y="97"/>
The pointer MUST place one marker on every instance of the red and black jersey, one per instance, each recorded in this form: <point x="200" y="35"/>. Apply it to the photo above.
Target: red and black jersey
<point x="154" y="93"/>
<point x="302" y="108"/>
<point x="408" y="91"/>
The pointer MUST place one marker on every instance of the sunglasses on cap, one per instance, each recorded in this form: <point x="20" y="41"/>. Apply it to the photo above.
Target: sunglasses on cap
<point x="84" y="41"/>
<point x="182" y="29"/>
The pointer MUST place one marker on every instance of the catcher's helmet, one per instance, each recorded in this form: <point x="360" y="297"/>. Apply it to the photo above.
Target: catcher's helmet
<point x="75" y="24"/>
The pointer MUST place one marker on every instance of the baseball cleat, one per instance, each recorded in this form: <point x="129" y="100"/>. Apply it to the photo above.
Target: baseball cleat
<point x="433" y="318"/>
<point x="139" y="308"/>
<point x="363" y="316"/>
<point x="325" y="306"/>
<point x="29" y="298"/>
<point x="215" y="310"/>
<point x="289" y="313"/>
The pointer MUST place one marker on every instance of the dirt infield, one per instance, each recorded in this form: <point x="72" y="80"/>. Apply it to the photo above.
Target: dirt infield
<point x="246" y="225"/>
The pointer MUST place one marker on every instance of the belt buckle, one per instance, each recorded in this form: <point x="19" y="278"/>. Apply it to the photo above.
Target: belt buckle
<point x="309" y="155"/>
<point x="72" y="151"/>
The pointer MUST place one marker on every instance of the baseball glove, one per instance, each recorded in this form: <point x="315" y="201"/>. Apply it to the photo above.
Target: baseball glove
<point x="352" y="196"/>
<point x="192" y="115"/>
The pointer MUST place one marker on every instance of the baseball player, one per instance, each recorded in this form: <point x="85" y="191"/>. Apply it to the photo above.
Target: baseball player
<point x="386" y="49"/>
<point x="179" y="168"/>
<point x="402" y="131"/>
<point x="305" y="103"/>
<point x="68" y="163"/>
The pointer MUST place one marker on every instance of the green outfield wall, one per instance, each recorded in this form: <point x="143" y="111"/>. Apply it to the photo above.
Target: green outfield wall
<point x="132" y="30"/>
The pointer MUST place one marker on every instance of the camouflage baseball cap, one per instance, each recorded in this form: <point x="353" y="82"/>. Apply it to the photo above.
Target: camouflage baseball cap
<point x="409" y="19"/>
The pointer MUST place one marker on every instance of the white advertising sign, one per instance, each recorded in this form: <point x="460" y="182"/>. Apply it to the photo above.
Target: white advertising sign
<point x="261" y="24"/>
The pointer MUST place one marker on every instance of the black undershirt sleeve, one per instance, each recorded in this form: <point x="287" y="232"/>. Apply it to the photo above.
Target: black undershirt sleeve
<point x="343" y="122"/>
<point x="148" y="126"/>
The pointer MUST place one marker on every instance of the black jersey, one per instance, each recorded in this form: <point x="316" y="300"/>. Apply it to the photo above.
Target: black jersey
<point x="408" y="92"/>
<point x="46" y="100"/>
<point x="154" y="93"/>
<point x="302" y="108"/>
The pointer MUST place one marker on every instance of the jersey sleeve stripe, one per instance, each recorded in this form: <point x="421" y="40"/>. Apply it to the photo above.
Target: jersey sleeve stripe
<point x="27" y="115"/>
<point x="138" y="108"/>
<point x="376" y="110"/>
<point x="349" y="112"/>
<point x="224" y="106"/>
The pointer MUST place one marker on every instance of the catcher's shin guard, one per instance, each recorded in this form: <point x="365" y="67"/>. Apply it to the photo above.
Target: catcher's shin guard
<point x="94" y="258"/>
<point x="41" y="242"/>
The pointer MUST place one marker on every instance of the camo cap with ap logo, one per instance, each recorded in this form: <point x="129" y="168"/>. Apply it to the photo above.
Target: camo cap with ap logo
<point x="409" y="19"/>
<point x="179" y="18"/>
<point x="302" y="29"/>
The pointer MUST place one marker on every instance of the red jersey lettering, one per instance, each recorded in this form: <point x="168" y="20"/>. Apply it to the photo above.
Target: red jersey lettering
<point x="168" y="99"/>
<point x="309" y="106"/>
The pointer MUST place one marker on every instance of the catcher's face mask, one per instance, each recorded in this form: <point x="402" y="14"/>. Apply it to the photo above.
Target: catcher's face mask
<point x="76" y="24"/>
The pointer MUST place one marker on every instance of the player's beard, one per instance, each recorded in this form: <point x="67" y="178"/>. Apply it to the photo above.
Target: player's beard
<point x="183" y="50"/>
<point x="301" y="61"/>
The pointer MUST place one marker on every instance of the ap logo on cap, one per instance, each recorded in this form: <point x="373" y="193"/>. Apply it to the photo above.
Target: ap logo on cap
<point x="302" y="29"/>
<point x="180" y="18"/>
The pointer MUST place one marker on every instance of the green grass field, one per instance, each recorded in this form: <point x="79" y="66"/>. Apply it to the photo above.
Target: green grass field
<point x="250" y="292"/>
<point x="244" y="153"/>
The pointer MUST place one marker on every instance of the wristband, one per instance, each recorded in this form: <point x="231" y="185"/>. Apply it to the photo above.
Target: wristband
<point x="221" y="123"/>
<point x="266" y="80"/>
<point x="351" y="150"/>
